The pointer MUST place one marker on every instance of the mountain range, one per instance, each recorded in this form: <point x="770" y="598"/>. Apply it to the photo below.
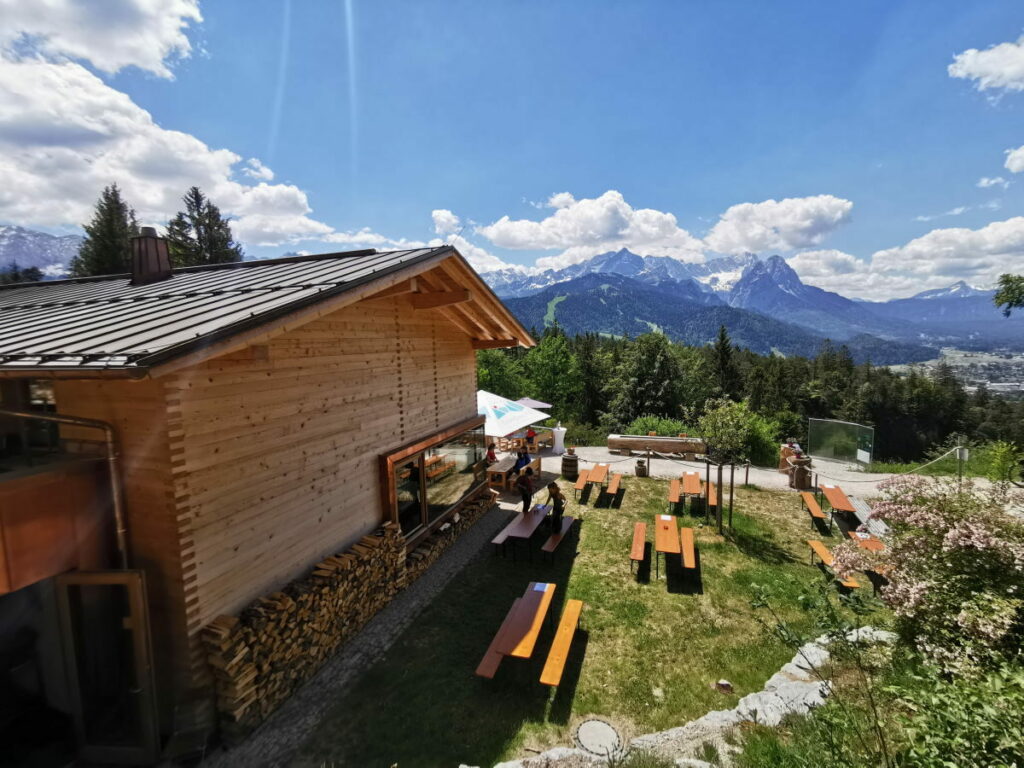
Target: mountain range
<point x="28" y="248"/>
<point x="762" y="302"/>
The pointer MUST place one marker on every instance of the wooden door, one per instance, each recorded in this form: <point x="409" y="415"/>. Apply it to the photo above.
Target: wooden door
<point x="105" y="633"/>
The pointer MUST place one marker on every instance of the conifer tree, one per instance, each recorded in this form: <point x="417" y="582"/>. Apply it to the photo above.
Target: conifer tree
<point x="200" y="235"/>
<point x="106" y="249"/>
<point x="724" y="370"/>
<point x="12" y="273"/>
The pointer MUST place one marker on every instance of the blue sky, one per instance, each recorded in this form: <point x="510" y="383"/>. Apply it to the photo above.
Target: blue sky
<point x="371" y="117"/>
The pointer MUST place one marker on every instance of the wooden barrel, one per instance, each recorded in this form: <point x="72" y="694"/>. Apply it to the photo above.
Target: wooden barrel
<point x="570" y="466"/>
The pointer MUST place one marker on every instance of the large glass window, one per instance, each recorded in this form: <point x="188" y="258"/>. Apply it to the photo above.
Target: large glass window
<point x="428" y="480"/>
<point x="449" y="469"/>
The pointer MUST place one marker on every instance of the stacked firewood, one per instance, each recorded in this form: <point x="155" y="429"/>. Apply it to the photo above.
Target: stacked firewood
<point x="260" y="657"/>
<point x="431" y="548"/>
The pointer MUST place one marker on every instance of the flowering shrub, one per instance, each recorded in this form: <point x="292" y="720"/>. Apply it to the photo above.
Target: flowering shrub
<point x="955" y="566"/>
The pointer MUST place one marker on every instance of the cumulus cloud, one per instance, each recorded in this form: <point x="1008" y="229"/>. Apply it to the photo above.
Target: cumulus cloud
<point x="255" y="169"/>
<point x="111" y="35"/>
<point x="998" y="66"/>
<point x="934" y="260"/>
<point x="445" y="222"/>
<point x="65" y="134"/>
<point x="994" y="181"/>
<point x="778" y="225"/>
<point x="1014" y="160"/>
<point x="583" y="228"/>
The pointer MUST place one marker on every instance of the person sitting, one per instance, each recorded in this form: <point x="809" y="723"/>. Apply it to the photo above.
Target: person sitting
<point x="522" y="460"/>
<point x="556" y="500"/>
<point x="492" y="457"/>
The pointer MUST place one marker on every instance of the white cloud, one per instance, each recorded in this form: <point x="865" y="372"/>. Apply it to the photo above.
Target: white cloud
<point x="583" y="228"/>
<point x="998" y="66"/>
<point x="1014" y="160"/>
<point x="445" y="222"/>
<point x="934" y="260"/>
<point x="111" y="35"/>
<point x="778" y="225"/>
<point x="65" y="134"/>
<point x="255" y="169"/>
<point x="951" y="212"/>
<point x="992" y="181"/>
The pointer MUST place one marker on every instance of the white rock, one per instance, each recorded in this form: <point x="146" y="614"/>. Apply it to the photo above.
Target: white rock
<point x="689" y="762"/>
<point x="796" y="673"/>
<point x="870" y="635"/>
<point x="810" y="657"/>
<point x="720" y="718"/>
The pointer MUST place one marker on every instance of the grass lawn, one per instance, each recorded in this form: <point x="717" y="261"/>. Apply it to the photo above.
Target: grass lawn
<point x="644" y="658"/>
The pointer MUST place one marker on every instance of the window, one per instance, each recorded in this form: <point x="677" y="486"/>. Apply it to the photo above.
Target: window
<point x="424" y="481"/>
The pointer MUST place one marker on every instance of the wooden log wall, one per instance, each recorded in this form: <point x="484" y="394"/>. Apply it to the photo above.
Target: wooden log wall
<point x="275" y="449"/>
<point x="260" y="656"/>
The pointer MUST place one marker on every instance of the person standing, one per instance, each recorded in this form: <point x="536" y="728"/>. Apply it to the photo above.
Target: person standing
<point x="524" y="484"/>
<point x="556" y="500"/>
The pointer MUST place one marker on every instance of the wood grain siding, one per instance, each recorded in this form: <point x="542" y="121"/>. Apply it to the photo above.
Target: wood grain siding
<point x="138" y="411"/>
<point x="275" y="449"/>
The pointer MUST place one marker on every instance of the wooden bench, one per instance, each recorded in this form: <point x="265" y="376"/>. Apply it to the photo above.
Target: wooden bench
<point x="613" y="486"/>
<point x="581" y="482"/>
<point x="556" y="538"/>
<point x="492" y="658"/>
<point x="686" y="543"/>
<point x="674" y="491"/>
<point x="813" y="508"/>
<point x="819" y="549"/>
<point x="712" y="495"/>
<point x="559" y="653"/>
<point x="636" y="553"/>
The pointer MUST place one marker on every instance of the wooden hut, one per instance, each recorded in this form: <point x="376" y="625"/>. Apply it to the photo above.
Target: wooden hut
<point x="268" y="416"/>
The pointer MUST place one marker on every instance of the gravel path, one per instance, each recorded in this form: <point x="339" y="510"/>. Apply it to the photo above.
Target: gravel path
<point x="851" y="478"/>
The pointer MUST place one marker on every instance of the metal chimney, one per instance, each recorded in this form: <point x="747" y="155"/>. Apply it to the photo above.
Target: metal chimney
<point x="151" y="259"/>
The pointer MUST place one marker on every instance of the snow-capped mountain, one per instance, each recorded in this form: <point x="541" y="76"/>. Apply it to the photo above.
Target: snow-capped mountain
<point x="714" y="276"/>
<point x="28" y="248"/>
<point x="958" y="290"/>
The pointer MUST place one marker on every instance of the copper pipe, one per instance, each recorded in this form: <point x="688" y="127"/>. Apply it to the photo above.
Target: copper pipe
<point x="113" y="467"/>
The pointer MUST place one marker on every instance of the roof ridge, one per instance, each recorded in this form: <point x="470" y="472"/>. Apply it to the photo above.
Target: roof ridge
<point x="225" y="265"/>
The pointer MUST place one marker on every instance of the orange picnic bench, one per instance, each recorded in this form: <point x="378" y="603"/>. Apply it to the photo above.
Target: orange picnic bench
<point x="517" y="635"/>
<point x="674" y="493"/>
<point x="581" y="482"/>
<point x="814" y="509"/>
<point x="819" y="549"/>
<point x="613" y="485"/>
<point x="557" y="537"/>
<point x="636" y="552"/>
<point x="686" y="544"/>
<point x="554" y="666"/>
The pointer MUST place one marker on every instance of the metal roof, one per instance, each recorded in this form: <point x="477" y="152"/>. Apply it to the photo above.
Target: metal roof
<point x="108" y="323"/>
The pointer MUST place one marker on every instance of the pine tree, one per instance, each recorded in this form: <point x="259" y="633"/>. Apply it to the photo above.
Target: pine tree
<point x="648" y="381"/>
<point x="107" y="248"/>
<point x="200" y="235"/>
<point x="724" y="370"/>
<point x="12" y="273"/>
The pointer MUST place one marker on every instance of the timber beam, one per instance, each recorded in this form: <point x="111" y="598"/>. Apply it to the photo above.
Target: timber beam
<point x="440" y="299"/>
<point x="494" y="343"/>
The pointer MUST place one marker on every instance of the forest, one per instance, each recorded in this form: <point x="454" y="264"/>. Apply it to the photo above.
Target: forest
<point x="599" y="385"/>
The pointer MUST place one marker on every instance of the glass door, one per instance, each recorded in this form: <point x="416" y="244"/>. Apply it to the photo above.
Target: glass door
<point x="105" y="633"/>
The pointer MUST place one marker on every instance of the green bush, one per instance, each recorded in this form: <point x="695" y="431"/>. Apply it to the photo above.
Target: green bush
<point x="584" y="434"/>
<point x="660" y="425"/>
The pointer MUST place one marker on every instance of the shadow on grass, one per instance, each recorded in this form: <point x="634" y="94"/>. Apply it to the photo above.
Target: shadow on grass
<point x="422" y="703"/>
<point x="759" y="546"/>
<point x="643" y="568"/>
<point x="561" y="705"/>
<point x="683" y="581"/>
